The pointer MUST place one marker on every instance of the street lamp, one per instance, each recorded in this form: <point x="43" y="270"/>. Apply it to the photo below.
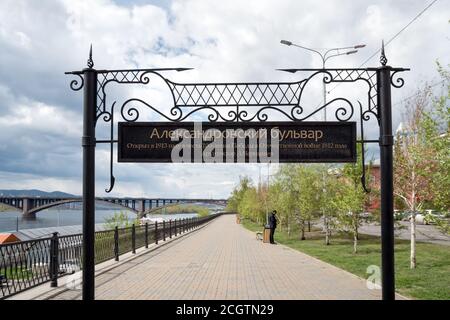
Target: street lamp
<point x="330" y="53"/>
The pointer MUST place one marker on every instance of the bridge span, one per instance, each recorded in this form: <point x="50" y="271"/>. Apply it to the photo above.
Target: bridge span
<point x="31" y="205"/>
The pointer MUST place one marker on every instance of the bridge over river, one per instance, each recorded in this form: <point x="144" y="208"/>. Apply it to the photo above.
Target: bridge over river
<point x="220" y="260"/>
<point x="31" y="205"/>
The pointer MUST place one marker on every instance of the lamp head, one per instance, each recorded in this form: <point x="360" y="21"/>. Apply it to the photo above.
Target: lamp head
<point x="288" y="43"/>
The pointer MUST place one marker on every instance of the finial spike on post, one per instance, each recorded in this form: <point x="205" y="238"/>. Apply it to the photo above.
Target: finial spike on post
<point x="383" y="59"/>
<point x="90" y="62"/>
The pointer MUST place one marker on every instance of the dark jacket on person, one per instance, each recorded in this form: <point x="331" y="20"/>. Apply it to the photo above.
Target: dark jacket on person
<point x="272" y="221"/>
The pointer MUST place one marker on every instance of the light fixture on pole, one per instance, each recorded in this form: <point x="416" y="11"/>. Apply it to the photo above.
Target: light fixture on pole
<point x="325" y="56"/>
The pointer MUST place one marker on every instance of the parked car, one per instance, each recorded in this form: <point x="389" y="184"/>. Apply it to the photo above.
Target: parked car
<point x="420" y="218"/>
<point x="365" y="215"/>
<point x="399" y="215"/>
<point x="433" y="215"/>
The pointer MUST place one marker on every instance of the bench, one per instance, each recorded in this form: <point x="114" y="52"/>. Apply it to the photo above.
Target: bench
<point x="259" y="235"/>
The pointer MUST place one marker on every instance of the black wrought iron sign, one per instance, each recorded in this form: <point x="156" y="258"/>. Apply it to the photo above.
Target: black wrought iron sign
<point x="251" y="102"/>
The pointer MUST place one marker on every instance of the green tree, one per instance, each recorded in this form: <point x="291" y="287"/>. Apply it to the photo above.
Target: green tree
<point x="246" y="200"/>
<point x="435" y="128"/>
<point x="327" y="187"/>
<point x="306" y="186"/>
<point x="238" y="193"/>
<point x="350" y="199"/>
<point x="285" y="194"/>
<point x="435" y="125"/>
<point x="277" y="202"/>
<point x="414" y="161"/>
<point x="121" y="220"/>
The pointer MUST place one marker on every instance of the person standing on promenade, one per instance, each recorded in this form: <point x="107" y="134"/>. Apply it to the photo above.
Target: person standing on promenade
<point x="272" y="225"/>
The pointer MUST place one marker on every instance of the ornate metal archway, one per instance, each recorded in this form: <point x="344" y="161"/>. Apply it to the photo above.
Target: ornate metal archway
<point x="238" y="102"/>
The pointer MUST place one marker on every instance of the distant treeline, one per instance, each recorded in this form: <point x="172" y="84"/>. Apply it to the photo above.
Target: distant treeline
<point x="184" y="208"/>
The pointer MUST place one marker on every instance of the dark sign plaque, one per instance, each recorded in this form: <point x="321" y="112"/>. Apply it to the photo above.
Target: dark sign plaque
<point x="237" y="141"/>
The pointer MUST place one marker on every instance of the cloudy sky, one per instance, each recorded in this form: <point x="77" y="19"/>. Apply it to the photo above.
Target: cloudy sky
<point x="40" y="117"/>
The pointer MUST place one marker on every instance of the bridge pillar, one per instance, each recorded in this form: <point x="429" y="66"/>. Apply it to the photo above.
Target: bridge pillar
<point x="27" y="205"/>
<point x="141" y="207"/>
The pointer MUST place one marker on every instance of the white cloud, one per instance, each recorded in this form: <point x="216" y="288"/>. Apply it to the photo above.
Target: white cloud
<point x="42" y="118"/>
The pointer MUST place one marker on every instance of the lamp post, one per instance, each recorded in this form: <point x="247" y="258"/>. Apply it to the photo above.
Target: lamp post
<point x="329" y="53"/>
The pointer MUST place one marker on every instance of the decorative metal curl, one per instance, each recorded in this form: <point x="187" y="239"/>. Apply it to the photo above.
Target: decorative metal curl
<point x="232" y="116"/>
<point x="341" y="114"/>
<point x="363" y="175"/>
<point x="145" y="79"/>
<point x="105" y="115"/>
<point x="327" y="77"/>
<point x="131" y="114"/>
<point x="243" y="116"/>
<point x="75" y="85"/>
<point x="398" y="82"/>
<point x="213" y="116"/>
<point x="297" y="110"/>
<point x="363" y="117"/>
<point x="176" y="112"/>
<point x="112" y="179"/>
<point x="262" y="115"/>
<point x="366" y="115"/>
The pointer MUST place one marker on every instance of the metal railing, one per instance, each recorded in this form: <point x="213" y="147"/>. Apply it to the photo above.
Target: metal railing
<point x="26" y="264"/>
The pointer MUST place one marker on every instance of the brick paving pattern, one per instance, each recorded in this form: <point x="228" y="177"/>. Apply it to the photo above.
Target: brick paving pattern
<point x="225" y="261"/>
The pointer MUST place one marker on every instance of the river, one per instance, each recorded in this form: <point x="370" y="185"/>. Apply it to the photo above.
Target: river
<point x="11" y="221"/>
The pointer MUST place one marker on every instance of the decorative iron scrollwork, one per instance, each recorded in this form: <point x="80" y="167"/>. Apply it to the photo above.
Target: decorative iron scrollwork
<point x="234" y="102"/>
<point x="189" y="99"/>
<point x="110" y="117"/>
<point x="397" y="82"/>
<point x="75" y="84"/>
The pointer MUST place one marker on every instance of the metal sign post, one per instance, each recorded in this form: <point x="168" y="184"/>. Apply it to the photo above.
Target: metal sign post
<point x="88" y="144"/>
<point x="387" y="188"/>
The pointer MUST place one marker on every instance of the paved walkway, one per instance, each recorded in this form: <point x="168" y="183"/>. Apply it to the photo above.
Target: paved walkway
<point x="225" y="261"/>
